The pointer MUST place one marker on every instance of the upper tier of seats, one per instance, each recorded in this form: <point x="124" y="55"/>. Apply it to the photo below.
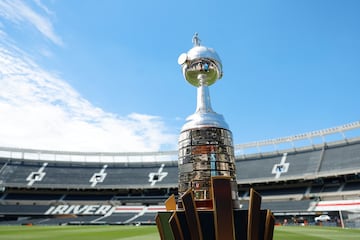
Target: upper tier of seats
<point x="324" y="160"/>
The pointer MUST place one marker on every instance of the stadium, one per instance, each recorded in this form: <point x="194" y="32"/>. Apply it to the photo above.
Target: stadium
<point x="300" y="178"/>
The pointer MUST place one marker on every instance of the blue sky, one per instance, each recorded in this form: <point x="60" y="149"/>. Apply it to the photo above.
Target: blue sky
<point x="103" y="75"/>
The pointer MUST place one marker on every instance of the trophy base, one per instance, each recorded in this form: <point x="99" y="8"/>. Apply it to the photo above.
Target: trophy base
<point x="221" y="221"/>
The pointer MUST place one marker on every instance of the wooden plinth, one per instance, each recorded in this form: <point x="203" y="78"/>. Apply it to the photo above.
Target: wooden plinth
<point x="220" y="223"/>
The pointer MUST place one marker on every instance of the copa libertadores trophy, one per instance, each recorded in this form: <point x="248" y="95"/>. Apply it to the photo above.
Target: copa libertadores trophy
<point x="205" y="143"/>
<point x="207" y="206"/>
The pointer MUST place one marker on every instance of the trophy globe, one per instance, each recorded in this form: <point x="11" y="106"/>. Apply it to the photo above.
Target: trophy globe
<point x="200" y="65"/>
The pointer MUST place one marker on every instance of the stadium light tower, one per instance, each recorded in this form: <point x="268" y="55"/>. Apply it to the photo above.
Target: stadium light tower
<point x="205" y="143"/>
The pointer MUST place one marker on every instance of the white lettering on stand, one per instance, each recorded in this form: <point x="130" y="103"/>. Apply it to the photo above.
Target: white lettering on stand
<point x="79" y="209"/>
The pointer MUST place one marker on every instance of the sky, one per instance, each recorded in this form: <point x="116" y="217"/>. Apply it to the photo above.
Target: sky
<point x="92" y="75"/>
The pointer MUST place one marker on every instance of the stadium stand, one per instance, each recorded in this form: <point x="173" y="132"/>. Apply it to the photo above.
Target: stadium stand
<point x="51" y="187"/>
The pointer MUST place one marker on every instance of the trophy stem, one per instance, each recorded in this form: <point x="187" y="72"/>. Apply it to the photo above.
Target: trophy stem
<point x="203" y="98"/>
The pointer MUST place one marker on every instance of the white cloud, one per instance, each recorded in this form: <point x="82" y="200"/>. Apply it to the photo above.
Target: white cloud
<point x="43" y="7"/>
<point x="40" y="110"/>
<point x="19" y="13"/>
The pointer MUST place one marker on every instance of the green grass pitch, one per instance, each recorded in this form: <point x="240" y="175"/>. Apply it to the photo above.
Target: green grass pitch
<point x="150" y="233"/>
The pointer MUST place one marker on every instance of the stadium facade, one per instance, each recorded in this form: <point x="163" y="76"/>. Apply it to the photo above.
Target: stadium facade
<point x="300" y="177"/>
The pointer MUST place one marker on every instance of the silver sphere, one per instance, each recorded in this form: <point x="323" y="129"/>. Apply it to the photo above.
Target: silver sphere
<point x="201" y="65"/>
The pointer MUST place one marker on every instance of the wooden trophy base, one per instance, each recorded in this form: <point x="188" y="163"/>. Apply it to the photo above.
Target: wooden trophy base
<point x="222" y="222"/>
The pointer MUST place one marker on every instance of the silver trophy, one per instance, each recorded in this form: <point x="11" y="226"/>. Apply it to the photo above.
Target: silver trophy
<point x="207" y="180"/>
<point x="205" y="143"/>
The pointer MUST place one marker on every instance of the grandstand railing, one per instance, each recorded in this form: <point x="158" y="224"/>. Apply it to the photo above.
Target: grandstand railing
<point x="103" y="157"/>
<point x="309" y="139"/>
